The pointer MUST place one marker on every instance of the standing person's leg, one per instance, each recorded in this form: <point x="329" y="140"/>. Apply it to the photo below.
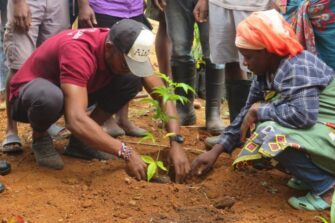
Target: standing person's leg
<point x="121" y="125"/>
<point x="214" y="84"/>
<point x="40" y="103"/>
<point x="162" y="41"/>
<point x="223" y="24"/>
<point x="180" y="25"/>
<point x="3" y="67"/>
<point x="18" y="46"/>
<point x="56" y="19"/>
<point x="237" y="83"/>
<point x="321" y="182"/>
<point x="163" y="47"/>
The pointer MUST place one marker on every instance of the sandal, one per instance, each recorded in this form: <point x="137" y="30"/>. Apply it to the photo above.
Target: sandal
<point x="309" y="202"/>
<point x="12" y="144"/>
<point x="56" y="132"/>
<point x="297" y="184"/>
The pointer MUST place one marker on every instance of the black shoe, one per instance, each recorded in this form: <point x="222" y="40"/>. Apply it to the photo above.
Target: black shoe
<point x="4" y="167"/>
<point x="77" y="149"/>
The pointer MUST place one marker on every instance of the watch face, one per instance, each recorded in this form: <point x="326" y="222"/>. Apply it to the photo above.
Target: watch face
<point x="178" y="138"/>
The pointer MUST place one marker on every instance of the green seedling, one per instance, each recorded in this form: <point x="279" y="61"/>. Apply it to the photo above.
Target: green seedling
<point x="196" y="48"/>
<point x="323" y="220"/>
<point x="166" y="93"/>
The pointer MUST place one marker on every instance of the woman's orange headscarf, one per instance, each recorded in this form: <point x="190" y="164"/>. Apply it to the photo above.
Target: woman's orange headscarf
<point x="267" y="30"/>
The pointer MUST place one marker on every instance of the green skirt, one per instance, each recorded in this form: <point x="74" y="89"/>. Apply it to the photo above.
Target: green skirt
<point x="269" y="138"/>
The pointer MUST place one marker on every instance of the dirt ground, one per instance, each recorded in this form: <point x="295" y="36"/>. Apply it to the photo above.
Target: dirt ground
<point x="101" y="191"/>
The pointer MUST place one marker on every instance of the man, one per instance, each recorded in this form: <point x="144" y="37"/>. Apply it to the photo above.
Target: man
<point x="29" y="24"/>
<point x="105" y="13"/>
<point x="291" y="106"/>
<point x="77" y="68"/>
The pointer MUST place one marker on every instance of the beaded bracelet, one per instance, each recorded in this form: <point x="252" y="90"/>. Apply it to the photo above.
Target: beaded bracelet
<point x="125" y="152"/>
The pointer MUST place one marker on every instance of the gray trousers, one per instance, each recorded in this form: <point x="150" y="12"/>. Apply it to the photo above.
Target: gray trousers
<point x="41" y="102"/>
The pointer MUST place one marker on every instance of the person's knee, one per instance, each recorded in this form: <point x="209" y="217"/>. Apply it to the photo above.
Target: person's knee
<point x="50" y="99"/>
<point x="44" y="103"/>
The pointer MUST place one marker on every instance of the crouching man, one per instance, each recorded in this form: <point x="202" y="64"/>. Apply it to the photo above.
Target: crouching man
<point x="77" y="68"/>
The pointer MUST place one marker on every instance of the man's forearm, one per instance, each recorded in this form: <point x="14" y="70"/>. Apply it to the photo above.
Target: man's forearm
<point x="88" y="131"/>
<point x="172" y="125"/>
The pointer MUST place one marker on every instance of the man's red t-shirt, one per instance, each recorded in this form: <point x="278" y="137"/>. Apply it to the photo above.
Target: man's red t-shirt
<point x="72" y="57"/>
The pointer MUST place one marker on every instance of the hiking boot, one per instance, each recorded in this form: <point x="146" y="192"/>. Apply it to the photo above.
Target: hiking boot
<point x="46" y="154"/>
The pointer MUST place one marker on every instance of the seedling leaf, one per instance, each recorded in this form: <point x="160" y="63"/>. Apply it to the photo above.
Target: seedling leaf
<point x="185" y="87"/>
<point x="323" y="220"/>
<point x="169" y="134"/>
<point x="160" y="164"/>
<point x="147" y="159"/>
<point x="148" y="136"/>
<point x="151" y="170"/>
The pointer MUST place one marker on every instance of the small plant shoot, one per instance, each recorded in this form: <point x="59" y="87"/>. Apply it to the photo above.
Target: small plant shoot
<point x="166" y="93"/>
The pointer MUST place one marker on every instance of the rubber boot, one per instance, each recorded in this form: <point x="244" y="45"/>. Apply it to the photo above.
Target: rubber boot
<point x="237" y="95"/>
<point x="185" y="73"/>
<point x="214" y="92"/>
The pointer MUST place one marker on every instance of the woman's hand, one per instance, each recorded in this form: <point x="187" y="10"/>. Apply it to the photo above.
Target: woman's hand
<point x="249" y="120"/>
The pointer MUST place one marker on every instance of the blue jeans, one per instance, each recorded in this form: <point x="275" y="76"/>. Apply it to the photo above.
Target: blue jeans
<point x="3" y="67"/>
<point x="180" y="28"/>
<point x="301" y="167"/>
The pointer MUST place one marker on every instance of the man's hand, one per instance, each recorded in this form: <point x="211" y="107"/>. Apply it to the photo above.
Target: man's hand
<point x="161" y="4"/>
<point x="204" y="162"/>
<point x="179" y="161"/>
<point x="86" y="17"/>
<point x="136" y="167"/>
<point x="200" y="11"/>
<point x="249" y="120"/>
<point x="22" y="15"/>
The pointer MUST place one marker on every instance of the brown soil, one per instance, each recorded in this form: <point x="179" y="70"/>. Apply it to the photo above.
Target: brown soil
<point x="100" y="191"/>
<point x="96" y="191"/>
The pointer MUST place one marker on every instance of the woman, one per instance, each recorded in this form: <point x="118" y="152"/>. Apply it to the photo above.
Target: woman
<point x="292" y="104"/>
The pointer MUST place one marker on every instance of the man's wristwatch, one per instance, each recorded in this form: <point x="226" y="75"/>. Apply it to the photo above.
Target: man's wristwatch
<point x="177" y="138"/>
